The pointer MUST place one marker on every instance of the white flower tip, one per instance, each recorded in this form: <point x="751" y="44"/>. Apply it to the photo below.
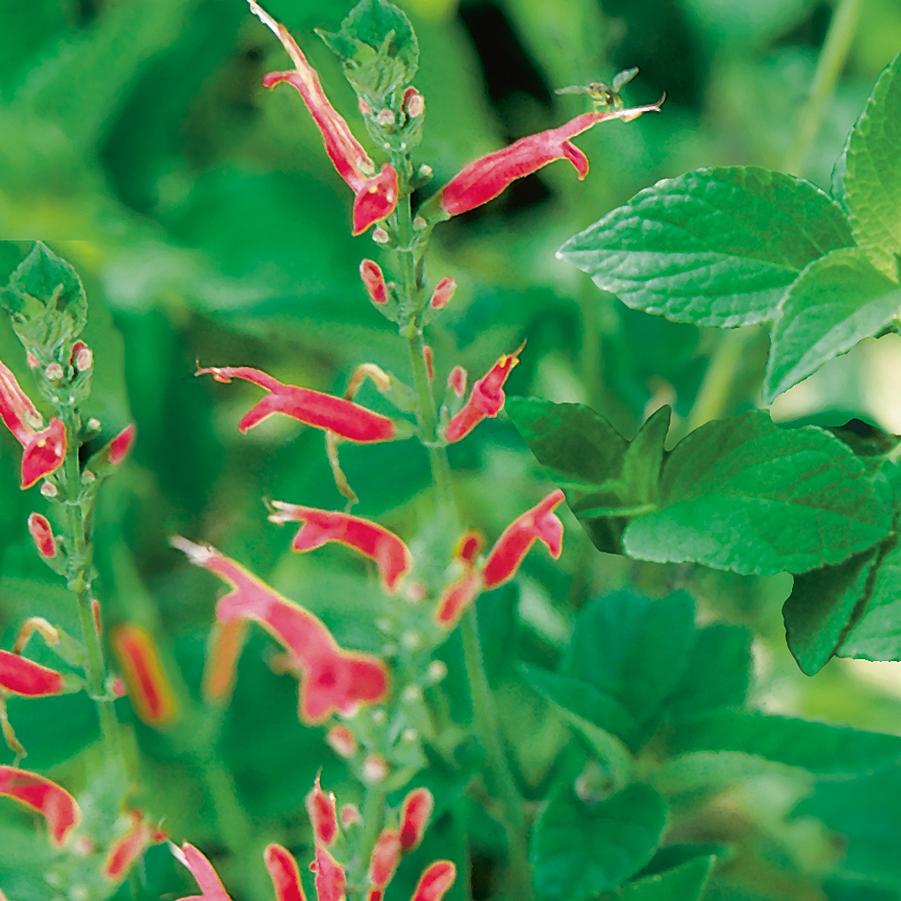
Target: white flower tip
<point x="198" y="554"/>
<point x="263" y="16"/>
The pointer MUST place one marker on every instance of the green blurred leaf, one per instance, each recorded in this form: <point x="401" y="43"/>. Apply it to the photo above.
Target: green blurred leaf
<point x="685" y="882"/>
<point x="711" y="247"/>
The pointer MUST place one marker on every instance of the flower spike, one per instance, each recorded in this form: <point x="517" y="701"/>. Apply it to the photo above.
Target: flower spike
<point x="375" y="193"/>
<point x="320" y="527"/>
<point x="284" y="873"/>
<point x="314" y="408"/>
<point x="538" y="524"/>
<point x="211" y="886"/>
<point x="333" y="679"/>
<point x="21" y="676"/>
<point x="488" y="177"/>
<point x="485" y="400"/>
<point x="52" y="801"/>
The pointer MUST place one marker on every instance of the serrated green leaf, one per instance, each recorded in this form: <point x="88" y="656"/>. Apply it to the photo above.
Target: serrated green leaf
<point x="747" y="496"/>
<point x="683" y="883"/>
<point x="870" y="178"/>
<point x="711" y="247"/>
<point x="835" y="303"/>
<point x="579" y="850"/>
<point x="818" y="748"/>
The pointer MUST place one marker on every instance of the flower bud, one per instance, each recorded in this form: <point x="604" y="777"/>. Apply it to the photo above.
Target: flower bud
<point x="350" y="815"/>
<point x="385" y="858"/>
<point x="374" y="281"/>
<point x="375" y="769"/>
<point x="443" y="293"/>
<point x="321" y="810"/>
<point x="456" y="381"/>
<point x="53" y="372"/>
<point x="385" y="118"/>
<point x="82" y="357"/>
<point x="413" y="103"/>
<point x="417" y="810"/>
<point x="380" y="236"/>
<point x="42" y="535"/>
<point x="341" y="740"/>
<point x="429" y="358"/>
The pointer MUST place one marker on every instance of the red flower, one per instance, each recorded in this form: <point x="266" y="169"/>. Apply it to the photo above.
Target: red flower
<point x="486" y="398"/>
<point x="374" y="281"/>
<point x="52" y="801"/>
<point x="313" y="408"/>
<point x="435" y="882"/>
<point x="341" y="740"/>
<point x="331" y="882"/>
<point x="456" y="381"/>
<point x="319" y="527"/>
<point x="322" y="812"/>
<point x="211" y="887"/>
<point x="375" y="193"/>
<point x="385" y="859"/>
<point x="42" y="534"/>
<point x="415" y="815"/>
<point x="537" y="524"/>
<point x="333" y="679"/>
<point x="488" y="177"/>
<point x="284" y="873"/>
<point x="43" y="449"/>
<point x="148" y="685"/>
<point x="128" y="848"/>
<point x="465" y="589"/>
<point x="20" y="676"/>
<point x="443" y="293"/>
<point x="226" y="642"/>
<point x="121" y="445"/>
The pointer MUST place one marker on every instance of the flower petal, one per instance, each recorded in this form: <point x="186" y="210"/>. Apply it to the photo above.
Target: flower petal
<point x="385" y="858"/>
<point x="331" y="882"/>
<point x="435" y="881"/>
<point x="211" y="886"/>
<point x="323" y="815"/>
<point x="128" y="848"/>
<point x="284" y="873"/>
<point x="44" y="453"/>
<point x="21" y="676"/>
<point x="52" y="801"/>
<point x="375" y="199"/>
<point x="417" y="810"/>
<point x="17" y="411"/>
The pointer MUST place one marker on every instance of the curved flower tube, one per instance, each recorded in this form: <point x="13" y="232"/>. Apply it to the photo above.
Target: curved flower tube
<point x="314" y="408"/>
<point x="321" y="809"/>
<point x="21" y="676"/>
<point x="375" y="193"/>
<point x="50" y="800"/>
<point x="211" y="887"/>
<point x="415" y="815"/>
<point x="457" y="596"/>
<point x="435" y="882"/>
<point x="537" y="524"/>
<point x="331" y="880"/>
<point x="42" y="535"/>
<point x="43" y="448"/>
<point x="128" y="848"/>
<point x="284" y="873"/>
<point x="485" y="400"/>
<point x="225" y="645"/>
<point x="333" y="679"/>
<point x="149" y="688"/>
<point x="390" y="553"/>
<point x="489" y="176"/>
<point x="384" y="861"/>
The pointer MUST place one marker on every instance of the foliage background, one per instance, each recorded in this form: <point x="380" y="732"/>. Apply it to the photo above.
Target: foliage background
<point x="207" y="224"/>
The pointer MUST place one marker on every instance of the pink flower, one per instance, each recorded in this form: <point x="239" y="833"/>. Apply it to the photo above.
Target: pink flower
<point x="456" y="381"/>
<point x="443" y="293"/>
<point x="121" y="445"/>
<point x="485" y="400"/>
<point x="435" y="882"/>
<point x="211" y="887"/>
<point x="21" y="676"/>
<point x="488" y="177"/>
<point x="537" y="524"/>
<point x="42" y="534"/>
<point x="50" y="800"/>
<point x="374" y="281"/>
<point x="43" y="448"/>
<point x="128" y="848"/>
<point x="149" y="687"/>
<point x="313" y="408"/>
<point x="331" y="882"/>
<point x="333" y="679"/>
<point x="320" y="527"/>
<point x="284" y="873"/>
<point x="456" y="598"/>
<point x="415" y="816"/>
<point x="385" y="859"/>
<point x="375" y="193"/>
<point x="322" y="812"/>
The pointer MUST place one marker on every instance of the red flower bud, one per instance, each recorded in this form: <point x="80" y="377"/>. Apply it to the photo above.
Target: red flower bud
<point x="320" y="527"/>
<point x="341" y="740"/>
<point x="321" y="810"/>
<point x="128" y="848"/>
<point x="121" y="445"/>
<point x="456" y="381"/>
<point x="375" y="193"/>
<point x="148" y="685"/>
<point x="47" y="798"/>
<point x="42" y="534"/>
<point x="350" y="815"/>
<point x="284" y="874"/>
<point x="488" y="177"/>
<point x="435" y="882"/>
<point x="417" y="810"/>
<point x="457" y="597"/>
<point x="81" y="357"/>
<point x="333" y="679"/>
<point x="313" y="408"/>
<point x="413" y="103"/>
<point x="374" y="281"/>
<point x="211" y="887"/>
<point x="226" y="642"/>
<point x="443" y="293"/>
<point x="385" y="858"/>
<point x="21" y="676"/>
<point x="97" y="615"/>
<point x="331" y="882"/>
<point x="485" y="400"/>
<point x="537" y="524"/>
<point x="429" y="359"/>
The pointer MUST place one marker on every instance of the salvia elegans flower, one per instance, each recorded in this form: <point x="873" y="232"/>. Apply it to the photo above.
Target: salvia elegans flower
<point x="21" y="676"/>
<point x="51" y="801"/>
<point x="149" y="687"/>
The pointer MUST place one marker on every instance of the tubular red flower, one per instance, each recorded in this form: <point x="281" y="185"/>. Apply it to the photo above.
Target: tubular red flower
<point x="331" y="882"/>
<point x="320" y="527"/>
<point x="148" y="685"/>
<point x="456" y="381"/>
<point x="488" y="177"/>
<point x="322" y="812"/>
<point x="226" y="642"/>
<point x="375" y="193"/>
<point x="128" y="848"/>
<point x="485" y="400"/>
<point x="457" y="596"/>
<point x="42" y="534"/>
<point x="435" y="882"/>
<point x="374" y="281"/>
<point x="284" y="873"/>
<point x="52" y="801"/>
<point x="43" y="449"/>
<point x="417" y="810"/>
<point x="385" y="858"/>
<point x="537" y="524"/>
<point x="211" y="887"/>
<point x="333" y="679"/>
<point x="314" y="408"/>
<point x="21" y="676"/>
<point x="443" y="293"/>
<point x="121" y="445"/>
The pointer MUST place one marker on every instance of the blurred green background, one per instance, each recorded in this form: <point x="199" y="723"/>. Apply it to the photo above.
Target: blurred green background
<point x="208" y="225"/>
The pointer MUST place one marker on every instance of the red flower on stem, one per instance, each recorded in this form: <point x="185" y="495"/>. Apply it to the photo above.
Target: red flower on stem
<point x="128" y="848"/>
<point x="320" y="527"/>
<point x="443" y="293"/>
<point x="314" y="408"/>
<point x="21" y="676"/>
<point x="384" y="861"/>
<point x="50" y="800"/>
<point x="211" y="887"/>
<point x="436" y="881"/>
<point x="485" y="400"/>
<point x="43" y="448"/>
<point x="333" y="679"/>
<point x="489" y="176"/>
<point x="417" y="810"/>
<point x="284" y="873"/>
<point x="374" y="281"/>
<point x="149" y="688"/>
<point x="457" y="597"/>
<point x="331" y="881"/>
<point x="375" y="193"/>
<point x="323" y="814"/>
<point x="42" y="534"/>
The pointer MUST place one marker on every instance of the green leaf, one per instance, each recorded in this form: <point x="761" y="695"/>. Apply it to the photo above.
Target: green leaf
<point x="712" y="771"/>
<point x="683" y="883"/>
<point x="818" y="748"/>
<point x="711" y="247"/>
<point x="378" y="50"/>
<point x="579" y="850"/>
<point x="747" y="496"/>
<point x="870" y="179"/>
<point x="836" y="302"/>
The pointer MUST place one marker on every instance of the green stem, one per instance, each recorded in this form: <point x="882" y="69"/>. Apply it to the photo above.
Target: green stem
<point x="373" y="818"/>
<point x="716" y="388"/>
